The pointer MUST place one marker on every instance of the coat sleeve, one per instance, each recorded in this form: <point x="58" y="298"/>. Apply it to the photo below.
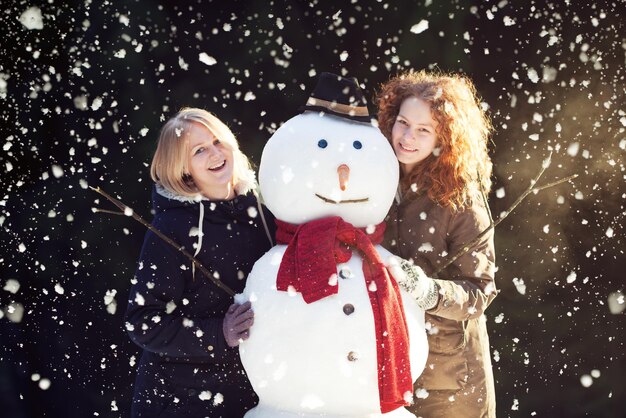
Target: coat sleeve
<point x="467" y="286"/>
<point x="154" y="319"/>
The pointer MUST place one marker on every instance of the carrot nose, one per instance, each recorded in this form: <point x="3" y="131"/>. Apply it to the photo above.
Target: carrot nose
<point x="343" y="171"/>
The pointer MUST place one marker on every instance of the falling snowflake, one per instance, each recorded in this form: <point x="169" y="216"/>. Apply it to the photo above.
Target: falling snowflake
<point x="207" y="59"/>
<point x="31" y="18"/>
<point x="420" y="27"/>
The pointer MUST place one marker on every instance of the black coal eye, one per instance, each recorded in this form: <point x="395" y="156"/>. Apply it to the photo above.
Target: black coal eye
<point x="357" y="145"/>
<point x="322" y="143"/>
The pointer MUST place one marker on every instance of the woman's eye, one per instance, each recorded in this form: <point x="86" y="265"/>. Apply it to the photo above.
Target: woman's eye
<point x="357" y="145"/>
<point x="322" y="143"/>
<point x="198" y="151"/>
<point x="217" y="142"/>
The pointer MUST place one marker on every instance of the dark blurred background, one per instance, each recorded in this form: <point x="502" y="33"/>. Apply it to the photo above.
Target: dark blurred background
<point x="86" y="85"/>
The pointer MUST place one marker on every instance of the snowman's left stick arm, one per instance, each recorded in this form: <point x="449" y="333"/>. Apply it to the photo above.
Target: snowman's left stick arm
<point x="128" y="211"/>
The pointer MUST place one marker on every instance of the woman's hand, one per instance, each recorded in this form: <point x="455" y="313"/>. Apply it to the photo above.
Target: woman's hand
<point x="237" y="323"/>
<point x="413" y="280"/>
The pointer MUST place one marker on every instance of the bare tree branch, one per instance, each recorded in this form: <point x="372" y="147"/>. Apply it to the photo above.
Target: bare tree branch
<point x="531" y="189"/>
<point x="110" y="212"/>
<point x="554" y="183"/>
<point x="128" y="211"/>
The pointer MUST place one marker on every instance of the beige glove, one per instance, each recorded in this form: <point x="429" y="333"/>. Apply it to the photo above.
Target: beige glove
<point x="415" y="282"/>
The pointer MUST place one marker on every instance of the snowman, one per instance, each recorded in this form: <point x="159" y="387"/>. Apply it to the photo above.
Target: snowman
<point x="333" y="335"/>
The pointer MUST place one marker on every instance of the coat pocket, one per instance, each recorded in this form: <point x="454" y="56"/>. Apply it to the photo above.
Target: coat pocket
<point x="447" y="336"/>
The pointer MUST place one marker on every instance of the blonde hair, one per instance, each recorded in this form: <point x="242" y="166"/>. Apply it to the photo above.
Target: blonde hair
<point x="169" y="167"/>
<point x="462" y="168"/>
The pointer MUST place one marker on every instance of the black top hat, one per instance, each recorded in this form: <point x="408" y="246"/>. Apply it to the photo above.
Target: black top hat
<point x="338" y="96"/>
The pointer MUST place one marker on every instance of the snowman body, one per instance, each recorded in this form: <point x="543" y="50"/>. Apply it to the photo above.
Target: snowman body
<point x="320" y="359"/>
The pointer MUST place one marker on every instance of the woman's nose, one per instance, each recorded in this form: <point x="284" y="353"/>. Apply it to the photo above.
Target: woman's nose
<point x="343" y="171"/>
<point x="214" y="151"/>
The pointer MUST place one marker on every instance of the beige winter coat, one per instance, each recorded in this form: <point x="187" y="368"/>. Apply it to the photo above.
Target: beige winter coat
<point x="458" y="378"/>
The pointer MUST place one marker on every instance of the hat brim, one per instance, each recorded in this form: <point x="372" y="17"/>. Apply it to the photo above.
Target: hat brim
<point x="321" y="109"/>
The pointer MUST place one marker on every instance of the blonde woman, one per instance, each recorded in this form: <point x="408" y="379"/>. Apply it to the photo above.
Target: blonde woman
<point x="439" y="133"/>
<point x="188" y="328"/>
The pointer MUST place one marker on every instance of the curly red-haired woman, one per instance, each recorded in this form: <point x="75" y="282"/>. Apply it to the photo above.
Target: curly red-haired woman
<point x="439" y="133"/>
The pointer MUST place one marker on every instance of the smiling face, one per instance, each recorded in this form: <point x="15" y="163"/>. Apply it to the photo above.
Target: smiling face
<point x="319" y="166"/>
<point x="210" y="162"/>
<point x="413" y="135"/>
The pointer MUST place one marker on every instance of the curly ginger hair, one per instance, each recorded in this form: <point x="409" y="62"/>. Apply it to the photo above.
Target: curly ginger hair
<point x="456" y="174"/>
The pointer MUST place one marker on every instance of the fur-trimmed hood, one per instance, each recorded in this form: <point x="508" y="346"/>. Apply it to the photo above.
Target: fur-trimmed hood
<point x="163" y="199"/>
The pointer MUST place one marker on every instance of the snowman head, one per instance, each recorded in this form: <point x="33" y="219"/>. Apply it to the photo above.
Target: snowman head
<point x="329" y="161"/>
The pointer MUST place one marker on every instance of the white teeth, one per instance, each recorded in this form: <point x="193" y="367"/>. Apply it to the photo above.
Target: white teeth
<point x="407" y="148"/>
<point x="220" y="165"/>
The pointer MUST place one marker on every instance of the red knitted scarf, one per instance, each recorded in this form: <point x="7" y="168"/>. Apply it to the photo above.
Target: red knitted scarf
<point x="313" y="251"/>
